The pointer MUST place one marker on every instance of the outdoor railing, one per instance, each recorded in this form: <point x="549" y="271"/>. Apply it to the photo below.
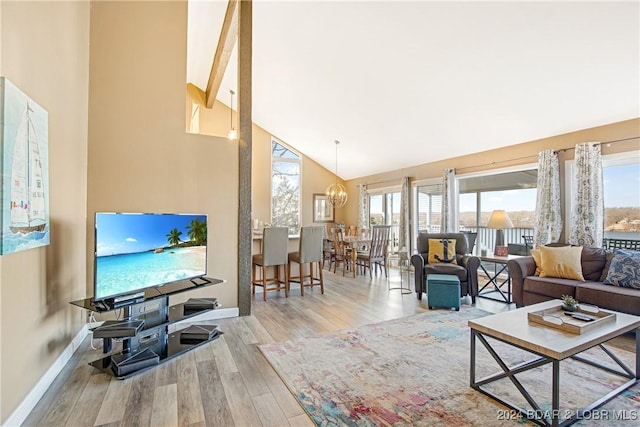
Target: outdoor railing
<point x="487" y="236"/>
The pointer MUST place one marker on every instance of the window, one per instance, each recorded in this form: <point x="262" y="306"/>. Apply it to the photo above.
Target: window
<point x="426" y="213"/>
<point x="384" y="209"/>
<point x="621" y="188"/>
<point x="513" y="191"/>
<point x="428" y="207"/>
<point x="376" y="210"/>
<point x="285" y="187"/>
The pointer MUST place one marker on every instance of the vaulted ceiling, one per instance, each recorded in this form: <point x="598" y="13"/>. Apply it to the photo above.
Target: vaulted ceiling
<point x="406" y="83"/>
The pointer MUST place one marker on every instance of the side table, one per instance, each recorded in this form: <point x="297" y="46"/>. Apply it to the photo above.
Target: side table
<point x="404" y="266"/>
<point x="494" y="282"/>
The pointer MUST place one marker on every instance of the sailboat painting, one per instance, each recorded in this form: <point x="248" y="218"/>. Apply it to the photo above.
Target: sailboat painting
<point x="25" y="171"/>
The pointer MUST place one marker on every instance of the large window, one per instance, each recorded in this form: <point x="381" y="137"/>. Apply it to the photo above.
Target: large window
<point x="285" y="187"/>
<point x="512" y="191"/>
<point x="384" y="209"/>
<point x="621" y="188"/>
<point x="428" y="207"/>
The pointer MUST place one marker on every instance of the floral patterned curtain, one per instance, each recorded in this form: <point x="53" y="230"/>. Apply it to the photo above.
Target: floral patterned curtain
<point x="403" y="238"/>
<point x="363" y="207"/>
<point x="548" y="217"/>
<point x="448" y="201"/>
<point x="586" y="227"/>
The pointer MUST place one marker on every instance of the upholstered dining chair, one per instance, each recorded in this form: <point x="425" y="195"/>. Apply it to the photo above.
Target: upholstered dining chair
<point x="376" y="255"/>
<point x="274" y="254"/>
<point x="309" y="252"/>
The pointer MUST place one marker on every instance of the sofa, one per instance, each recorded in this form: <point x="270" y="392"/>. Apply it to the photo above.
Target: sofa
<point x="465" y="266"/>
<point x="529" y="288"/>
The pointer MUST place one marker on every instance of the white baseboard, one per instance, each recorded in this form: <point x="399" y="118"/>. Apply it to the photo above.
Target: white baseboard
<point x="26" y="406"/>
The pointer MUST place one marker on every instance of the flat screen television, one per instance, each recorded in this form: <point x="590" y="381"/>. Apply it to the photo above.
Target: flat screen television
<point x="135" y="251"/>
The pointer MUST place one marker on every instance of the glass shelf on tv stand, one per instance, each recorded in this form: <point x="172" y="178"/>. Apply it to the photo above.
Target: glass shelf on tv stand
<point x="152" y="293"/>
<point x="168" y="344"/>
<point x="167" y="350"/>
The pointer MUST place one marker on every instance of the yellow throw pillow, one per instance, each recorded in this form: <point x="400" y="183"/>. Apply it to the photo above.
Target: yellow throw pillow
<point x="535" y="253"/>
<point x="562" y="262"/>
<point x="442" y="250"/>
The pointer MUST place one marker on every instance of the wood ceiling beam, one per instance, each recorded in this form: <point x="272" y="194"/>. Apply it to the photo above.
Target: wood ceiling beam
<point x="228" y="37"/>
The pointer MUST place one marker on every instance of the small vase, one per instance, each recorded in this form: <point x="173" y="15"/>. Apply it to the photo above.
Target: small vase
<point x="569" y="307"/>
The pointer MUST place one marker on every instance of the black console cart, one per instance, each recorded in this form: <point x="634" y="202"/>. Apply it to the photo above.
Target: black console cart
<point x="144" y="323"/>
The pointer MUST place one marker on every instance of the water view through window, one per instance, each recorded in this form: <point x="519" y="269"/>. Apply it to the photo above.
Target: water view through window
<point x="621" y="186"/>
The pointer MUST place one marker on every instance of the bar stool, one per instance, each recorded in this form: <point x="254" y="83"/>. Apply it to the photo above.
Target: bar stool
<point x="309" y="252"/>
<point x="274" y="254"/>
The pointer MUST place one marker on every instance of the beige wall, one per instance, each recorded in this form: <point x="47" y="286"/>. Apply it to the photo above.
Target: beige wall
<point x="117" y="141"/>
<point x="517" y="154"/>
<point x="140" y="157"/>
<point x="315" y="178"/>
<point x="45" y="52"/>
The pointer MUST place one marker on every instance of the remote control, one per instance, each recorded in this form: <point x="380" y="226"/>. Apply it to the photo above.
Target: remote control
<point x="579" y="316"/>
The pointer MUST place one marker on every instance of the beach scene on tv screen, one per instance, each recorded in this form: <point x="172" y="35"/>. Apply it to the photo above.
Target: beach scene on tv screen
<point x="135" y="251"/>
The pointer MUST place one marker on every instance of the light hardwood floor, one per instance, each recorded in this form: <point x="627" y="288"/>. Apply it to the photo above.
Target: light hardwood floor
<point x="227" y="382"/>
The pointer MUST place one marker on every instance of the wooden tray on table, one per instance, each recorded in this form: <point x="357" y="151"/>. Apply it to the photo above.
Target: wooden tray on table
<point x="555" y="317"/>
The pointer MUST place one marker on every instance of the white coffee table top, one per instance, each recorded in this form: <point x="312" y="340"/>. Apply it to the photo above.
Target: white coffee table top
<point x="515" y="328"/>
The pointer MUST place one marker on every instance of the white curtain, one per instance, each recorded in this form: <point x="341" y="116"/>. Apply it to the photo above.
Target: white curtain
<point x="586" y="227"/>
<point x="363" y="207"/>
<point x="403" y="238"/>
<point x="548" y="217"/>
<point x="448" y="201"/>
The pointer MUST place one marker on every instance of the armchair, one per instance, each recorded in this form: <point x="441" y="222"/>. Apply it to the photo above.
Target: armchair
<point x="466" y="268"/>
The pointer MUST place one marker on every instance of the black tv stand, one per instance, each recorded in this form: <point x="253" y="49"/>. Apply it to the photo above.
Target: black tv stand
<point x="153" y="312"/>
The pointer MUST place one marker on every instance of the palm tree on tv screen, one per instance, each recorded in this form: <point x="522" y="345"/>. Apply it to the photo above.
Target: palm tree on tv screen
<point x="174" y="236"/>
<point x="197" y="231"/>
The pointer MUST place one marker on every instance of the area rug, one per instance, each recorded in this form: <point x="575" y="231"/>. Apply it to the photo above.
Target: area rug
<point x="415" y="371"/>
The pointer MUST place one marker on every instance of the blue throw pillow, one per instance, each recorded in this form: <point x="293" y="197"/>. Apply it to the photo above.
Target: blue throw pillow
<point x="624" y="270"/>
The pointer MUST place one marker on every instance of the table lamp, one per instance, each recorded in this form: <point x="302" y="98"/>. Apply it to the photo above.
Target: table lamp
<point x="499" y="220"/>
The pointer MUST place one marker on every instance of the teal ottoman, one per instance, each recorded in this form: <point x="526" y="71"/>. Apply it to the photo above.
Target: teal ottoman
<point x="443" y="290"/>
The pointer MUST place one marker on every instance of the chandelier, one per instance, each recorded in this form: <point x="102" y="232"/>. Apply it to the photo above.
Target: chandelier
<point x="336" y="193"/>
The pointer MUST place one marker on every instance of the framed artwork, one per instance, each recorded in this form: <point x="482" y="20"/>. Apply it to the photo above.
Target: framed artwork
<point x="322" y="210"/>
<point x="24" y="141"/>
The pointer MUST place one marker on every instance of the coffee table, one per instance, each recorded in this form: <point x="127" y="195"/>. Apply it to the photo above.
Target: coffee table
<point x="551" y="346"/>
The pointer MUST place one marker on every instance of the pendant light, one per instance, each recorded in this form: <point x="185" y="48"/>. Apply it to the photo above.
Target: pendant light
<point x="336" y="193"/>
<point x="232" y="132"/>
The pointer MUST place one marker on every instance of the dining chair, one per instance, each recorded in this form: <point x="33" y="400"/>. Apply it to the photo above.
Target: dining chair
<point x="352" y="231"/>
<point x="341" y="251"/>
<point x="274" y="254"/>
<point x="309" y="252"/>
<point x="376" y="255"/>
<point x="327" y="247"/>
<point x="528" y="243"/>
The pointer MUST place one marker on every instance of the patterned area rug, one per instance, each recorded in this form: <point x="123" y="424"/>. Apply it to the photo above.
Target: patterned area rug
<point x="415" y="371"/>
